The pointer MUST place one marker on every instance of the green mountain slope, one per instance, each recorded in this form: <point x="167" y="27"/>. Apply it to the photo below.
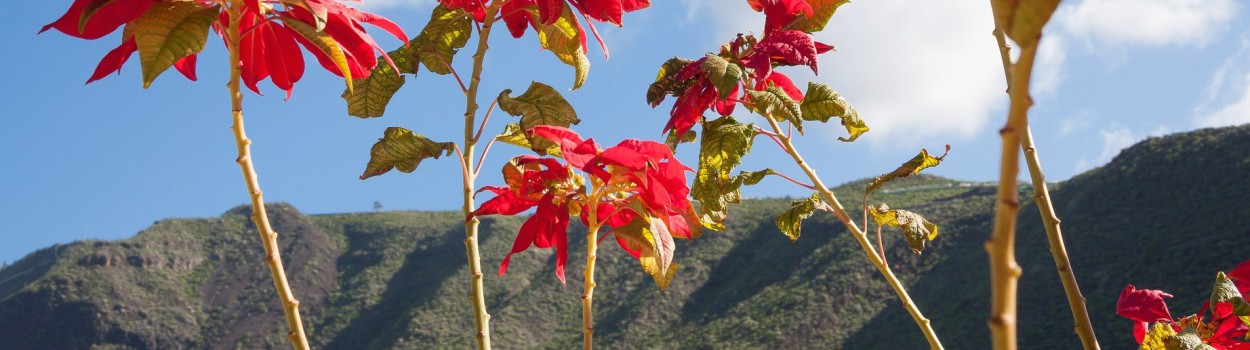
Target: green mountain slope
<point x="1163" y="215"/>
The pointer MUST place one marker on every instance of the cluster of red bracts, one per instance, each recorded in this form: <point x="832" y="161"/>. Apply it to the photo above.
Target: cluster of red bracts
<point x="268" y="42"/>
<point x="640" y="175"/>
<point x="1223" y="331"/>
<point x="519" y="15"/>
<point x="779" y="47"/>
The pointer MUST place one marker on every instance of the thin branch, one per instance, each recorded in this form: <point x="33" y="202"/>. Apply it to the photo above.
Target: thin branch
<point x="922" y="322"/>
<point x="796" y="182"/>
<point x="1076" y="301"/>
<point x="453" y="74"/>
<point x="464" y="168"/>
<point x="485" y="150"/>
<point x="491" y="108"/>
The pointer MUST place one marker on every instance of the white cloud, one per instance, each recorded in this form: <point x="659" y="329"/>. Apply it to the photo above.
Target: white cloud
<point x="1075" y="123"/>
<point x="1048" y="71"/>
<point x="1147" y="22"/>
<point x="1228" y="94"/>
<point x="912" y="69"/>
<point x="1113" y="141"/>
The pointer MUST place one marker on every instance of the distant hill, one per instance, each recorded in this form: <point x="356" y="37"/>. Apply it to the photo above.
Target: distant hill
<point x="1165" y="214"/>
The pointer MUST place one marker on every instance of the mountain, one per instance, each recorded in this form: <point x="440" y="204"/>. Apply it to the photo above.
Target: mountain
<point x="1164" y="214"/>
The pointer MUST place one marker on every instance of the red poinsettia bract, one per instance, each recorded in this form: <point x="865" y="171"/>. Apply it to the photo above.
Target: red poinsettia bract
<point x="519" y="15"/>
<point x="1224" y="330"/>
<point x="637" y="188"/>
<point x="756" y="59"/>
<point x="269" y="30"/>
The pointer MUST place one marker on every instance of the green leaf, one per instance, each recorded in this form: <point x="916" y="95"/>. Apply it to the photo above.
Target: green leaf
<point x="723" y="74"/>
<point x="563" y="39"/>
<point x="444" y="35"/>
<point x="725" y="141"/>
<point x="170" y="31"/>
<point x="912" y="167"/>
<point x="372" y="94"/>
<point x="403" y="150"/>
<point x="666" y="82"/>
<point x="649" y="235"/>
<point x="539" y="105"/>
<point x="514" y="135"/>
<point x="821" y="103"/>
<point x="1226" y="292"/>
<point x="916" y="228"/>
<point x="1154" y="339"/>
<point x="325" y="43"/>
<point x="791" y="221"/>
<point x="673" y="140"/>
<point x="775" y="103"/>
<point x="824" y="10"/>
<point x="1023" y="20"/>
<point x="1187" y="339"/>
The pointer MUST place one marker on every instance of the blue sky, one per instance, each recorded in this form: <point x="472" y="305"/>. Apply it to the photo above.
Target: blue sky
<point x="105" y="160"/>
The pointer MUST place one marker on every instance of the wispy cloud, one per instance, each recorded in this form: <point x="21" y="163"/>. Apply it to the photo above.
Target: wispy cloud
<point x="1048" y="72"/>
<point x="1228" y="95"/>
<point x="1113" y="141"/>
<point x="1147" y="22"/>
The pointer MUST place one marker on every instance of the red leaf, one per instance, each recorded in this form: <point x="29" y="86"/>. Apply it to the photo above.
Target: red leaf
<point x="782" y="81"/>
<point x="1241" y="277"/>
<point x="113" y="60"/>
<point x="1139" y="330"/>
<point x="549" y="11"/>
<point x="109" y="15"/>
<point x="1143" y="305"/>
<point x="516" y="16"/>
<point x="787" y="48"/>
<point x="603" y="10"/>
<point x="252" y="49"/>
<point x="186" y="66"/>
<point x="780" y="13"/>
<point x="577" y="152"/>
<point x="474" y="7"/>
<point x="506" y="202"/>
<point x="689" y="107"/>
<point x="822" y="47"/>
<point x="283" y="59"/>
<point x="726" y="106"/>
<point x="547" y="228"/>
<point x="1228" y="328"/>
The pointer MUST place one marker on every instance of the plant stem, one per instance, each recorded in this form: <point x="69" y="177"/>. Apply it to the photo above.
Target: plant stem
<point x="860" y="236"/>
<point x="269" y="238"/>
<point x="1001" y="247"/>
<point x="588" y="294"/>
<point x="478" y="296"/>
<point x="1054" y="234"/>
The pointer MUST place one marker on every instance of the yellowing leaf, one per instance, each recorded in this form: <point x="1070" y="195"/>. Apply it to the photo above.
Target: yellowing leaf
<point x="649" y="235"/>
<point x="916" y="228"/>
<point x="666" y="82"/>
<point x="725" y="141"/>
<point x="1023" y="20"/>
<point x="444" y="35"/>
<point x="673" y="140"/>
<point x="791" y="221"/>
<point x="1226" y="291"/>
<point x="372" y="94"/>
<point x="563" y="39"/>
<point x="723" y="74"/>
<point x="168" y="32"/>
<point x="824" y="10"/>
<point x="325" y="43"/>
<point x="1154" y="339"/>
<point x="1185" y="340"/>
<point x="821" y="103"/>
<point x="912" y="167"/>
<point x="513" y="135"/>
<point x="775" y="103"/>
<point x="320" y="12"/>
<point x="539" y="105"/>
<point x="403" y="150"/>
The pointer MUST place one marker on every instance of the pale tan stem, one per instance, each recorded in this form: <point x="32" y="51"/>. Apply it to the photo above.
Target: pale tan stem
<point x="269" y="238"/>
<point x="1076" y="301"/>
<point x="588" y="294"/>
<point x="861" y="237"/>
<point x="1001" y="247"/>
<point x="478" y="296"/>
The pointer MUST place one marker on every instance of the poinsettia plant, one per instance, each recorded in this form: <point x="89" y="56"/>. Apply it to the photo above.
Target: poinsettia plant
<point x="452" y="23"/>
<point x="263" y="39"/>
<point x="746" y="71"/>
<point x="1222" y="323"/>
